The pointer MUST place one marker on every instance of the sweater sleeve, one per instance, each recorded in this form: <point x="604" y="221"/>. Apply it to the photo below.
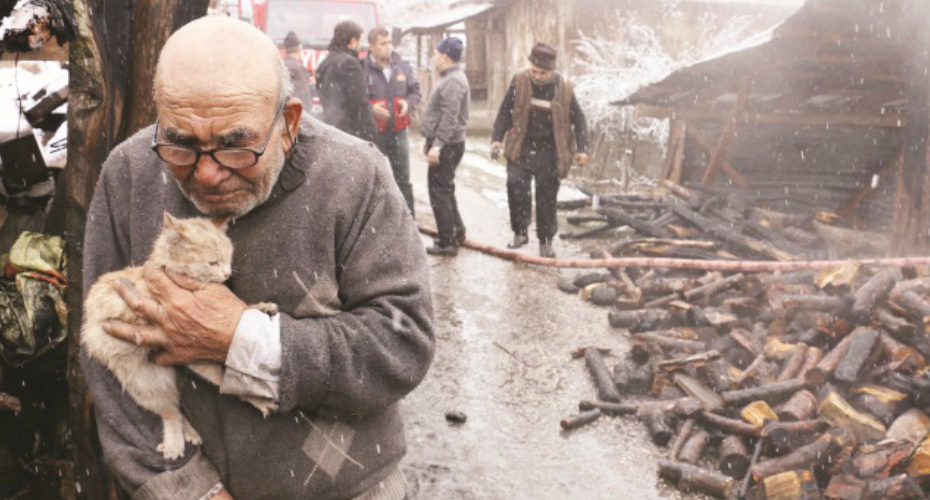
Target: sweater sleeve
<point x="450" y="107"/>
<point x="129" y="434"/>
<point x="579" y="125"/>
<point x="379" y="348"/>
<point x="504" y="121"/>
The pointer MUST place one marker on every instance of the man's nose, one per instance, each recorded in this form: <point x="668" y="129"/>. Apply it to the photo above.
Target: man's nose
<point x="209" y="173"/>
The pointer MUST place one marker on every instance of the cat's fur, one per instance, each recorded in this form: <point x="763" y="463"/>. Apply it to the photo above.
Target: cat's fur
<point x="198" y="249"/>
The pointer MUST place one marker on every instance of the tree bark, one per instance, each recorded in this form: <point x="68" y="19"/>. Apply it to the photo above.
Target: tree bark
<point x="112" y="62"/>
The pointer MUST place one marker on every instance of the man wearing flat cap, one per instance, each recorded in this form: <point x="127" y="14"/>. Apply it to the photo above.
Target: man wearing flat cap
<point x="300" y="77"/>
<point x="541" y="129"/>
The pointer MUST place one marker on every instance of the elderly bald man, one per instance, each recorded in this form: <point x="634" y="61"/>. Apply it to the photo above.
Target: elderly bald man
<point x="319" y="228"/>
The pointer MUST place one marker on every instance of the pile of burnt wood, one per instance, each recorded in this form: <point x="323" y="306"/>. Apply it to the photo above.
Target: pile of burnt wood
<point x="772" y="386"/>
<point x="690" y="223"/>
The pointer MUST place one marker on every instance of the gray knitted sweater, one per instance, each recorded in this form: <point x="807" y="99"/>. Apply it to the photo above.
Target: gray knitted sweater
<point x="337" y="250"/>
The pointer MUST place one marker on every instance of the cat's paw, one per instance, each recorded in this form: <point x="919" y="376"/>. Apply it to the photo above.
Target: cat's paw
<point x="267" y="407"/>
<point x="172" y="448"/>
<point x="191" y="435"/>
<point x="268" y="308"/>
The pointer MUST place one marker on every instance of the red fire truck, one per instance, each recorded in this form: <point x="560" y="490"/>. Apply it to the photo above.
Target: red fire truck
<point x="312" y="20"/>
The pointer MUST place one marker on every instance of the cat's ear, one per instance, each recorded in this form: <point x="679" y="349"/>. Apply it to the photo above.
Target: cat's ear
<point x="221" y="224"/>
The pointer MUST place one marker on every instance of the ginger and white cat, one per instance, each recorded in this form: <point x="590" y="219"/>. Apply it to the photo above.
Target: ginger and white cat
<point x="198" y="249"/>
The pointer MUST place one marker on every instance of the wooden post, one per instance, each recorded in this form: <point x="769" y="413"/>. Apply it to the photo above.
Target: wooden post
<point x="112" y="62"/>
<point x="729" y="130"/>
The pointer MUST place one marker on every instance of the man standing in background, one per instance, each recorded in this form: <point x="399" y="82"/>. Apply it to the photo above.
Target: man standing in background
<point x="394" y="93"/>
<point x="300" y="77"/>
<point x="341" y="84"/>
<point x="546" y="131"/>
<point x="443" y="125"/>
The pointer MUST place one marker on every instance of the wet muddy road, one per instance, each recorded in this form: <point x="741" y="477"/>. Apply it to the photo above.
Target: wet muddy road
<point x="504" y="333"/>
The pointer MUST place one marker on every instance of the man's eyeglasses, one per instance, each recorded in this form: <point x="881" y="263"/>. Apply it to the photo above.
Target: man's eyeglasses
<point x="232" y="158"/>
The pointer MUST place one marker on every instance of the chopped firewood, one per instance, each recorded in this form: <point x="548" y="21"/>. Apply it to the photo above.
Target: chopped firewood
<point x="694" y="447"/>
<point x="747" y="341"/>
<point x="637" y="321"/>
<point x="789" y="485"/>
<point x="614" y="409"/>
<point x="821" y="303"/>
<point x="783" y="437"/>
<point x="576" y="421"/>
<point x="806" y="456"/>
<point x="860" y="348"/>
<point x="714" y="288"/>
<point x="794" y="363"/>
<point x="693" y="361"/>
<point x="684" y="432"/>
<point x="710" y="400"/>
<point x="730" y="425"/>
<point x="913" y="426"/>
<point x="772" y="393"/>
<point x="734" y="457"/>
<point x="758" y="413"/>
<point x="872" y="292"/>
<point x="900" y="487"/>
<point x="845" y="487"/>
<point x="835" y="410"/>
<point x="919" y="466"/>
<point x="606" y="389"/>
<point x="801" y="406"/>
<point x="777" y="350"/>
<point x="689" y="478"/>
<point x="878" y="461"/>
<point x="659" y="426"/>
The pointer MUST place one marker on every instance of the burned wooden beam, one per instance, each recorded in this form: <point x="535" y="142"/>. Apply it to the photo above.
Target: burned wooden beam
<point x="793" y="365"/>
<point x="694" y="448"/>
<point x="689" y="478"/>
<point x="606" y="389"/>
<point x="860" y="348"/>
<point x="659" y="426"/>
<point x="711" y="289"/>
<point x="688" y="362"/>
<point x="637" y="321"/>
<point x="580" y="420"/>
<point x="710" y="400"/>
<point x="804" y="457"/>
<point x="730" y="425"/>
<point x="801" y="406"/>
<point x="612" y="409"/>
<point x="771" y="392"/>
<point x="873" y="291"/>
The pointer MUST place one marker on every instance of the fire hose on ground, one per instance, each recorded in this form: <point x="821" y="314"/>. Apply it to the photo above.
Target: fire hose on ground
<point x="669" y="263"/>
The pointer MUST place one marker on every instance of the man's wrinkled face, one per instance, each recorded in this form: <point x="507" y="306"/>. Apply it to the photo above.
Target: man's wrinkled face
<point x="382" y="49"/>
<point x="217" y="121"/>
<point x="541" y="75"/>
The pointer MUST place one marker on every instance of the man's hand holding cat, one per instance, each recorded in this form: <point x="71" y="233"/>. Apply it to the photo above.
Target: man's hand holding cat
<point x="189" y="321"/>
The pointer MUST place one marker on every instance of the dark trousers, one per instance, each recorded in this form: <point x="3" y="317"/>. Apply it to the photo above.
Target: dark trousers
<point x="395" y="146"/>
<point x="538" y="161"/>
<point x="441" y="182"/>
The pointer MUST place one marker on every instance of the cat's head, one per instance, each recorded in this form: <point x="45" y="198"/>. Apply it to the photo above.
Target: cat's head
<point x="197" y="248"/>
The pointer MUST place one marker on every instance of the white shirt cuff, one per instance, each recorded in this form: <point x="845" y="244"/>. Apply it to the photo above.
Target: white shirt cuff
<point x="253" y="363"/>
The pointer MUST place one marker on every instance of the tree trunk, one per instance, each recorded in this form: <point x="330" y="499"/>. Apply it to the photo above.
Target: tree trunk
<point x="112" y="62"/>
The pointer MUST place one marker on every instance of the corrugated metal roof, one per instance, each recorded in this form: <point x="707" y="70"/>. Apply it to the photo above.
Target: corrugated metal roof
<point x="446" y="19"/>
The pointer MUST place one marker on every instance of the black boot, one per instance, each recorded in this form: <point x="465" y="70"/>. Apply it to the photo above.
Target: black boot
<point x="519" y="240"/>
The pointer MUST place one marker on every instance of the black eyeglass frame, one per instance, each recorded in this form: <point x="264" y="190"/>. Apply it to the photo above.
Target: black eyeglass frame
<point x="212" y="152"/>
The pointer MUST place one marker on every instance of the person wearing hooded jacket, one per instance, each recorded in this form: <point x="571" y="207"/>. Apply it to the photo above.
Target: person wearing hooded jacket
<point x="341" y="84"/>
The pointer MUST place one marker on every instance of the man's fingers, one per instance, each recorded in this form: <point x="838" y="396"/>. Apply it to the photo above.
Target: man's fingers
<point x="185" y="282"/>
<point x="141" y="306"/>
<point x="144" y="335"/>
<point x="164" y="358"/>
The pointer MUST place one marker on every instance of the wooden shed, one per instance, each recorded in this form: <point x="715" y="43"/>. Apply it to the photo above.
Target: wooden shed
<point x="827" y="112"/>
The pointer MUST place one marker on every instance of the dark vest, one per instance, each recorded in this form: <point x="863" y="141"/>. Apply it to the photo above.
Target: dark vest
<point x="561" y="124"/>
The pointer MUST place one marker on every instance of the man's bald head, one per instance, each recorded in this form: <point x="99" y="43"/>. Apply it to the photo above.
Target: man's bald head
<point x="219" y="55"/>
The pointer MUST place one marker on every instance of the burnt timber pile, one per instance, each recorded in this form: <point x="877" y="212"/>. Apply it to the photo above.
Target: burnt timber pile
<point x="766" y="386"/>
<point x="705" y="223"/>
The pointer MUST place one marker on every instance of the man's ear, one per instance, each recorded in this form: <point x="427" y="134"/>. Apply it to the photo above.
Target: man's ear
<point x="292" y="112"/>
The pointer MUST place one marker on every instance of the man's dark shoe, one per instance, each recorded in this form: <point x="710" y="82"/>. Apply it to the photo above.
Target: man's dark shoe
<point x="460" y="236"/>
<point x="546" y="251"/>
<point x="443" y="250"/>
<point x="519" y="240"/>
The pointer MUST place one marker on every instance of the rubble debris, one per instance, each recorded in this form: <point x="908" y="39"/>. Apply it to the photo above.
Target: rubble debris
<point x="830" y="385"/>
